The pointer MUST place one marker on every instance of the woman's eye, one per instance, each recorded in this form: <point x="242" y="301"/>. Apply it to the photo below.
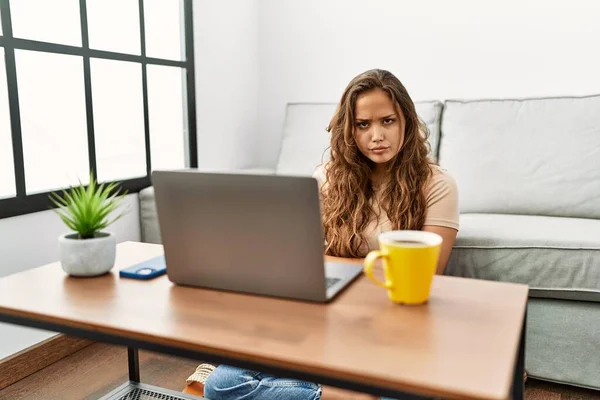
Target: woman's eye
<point x="362" y="125"/>
<point x="388" y="121"/>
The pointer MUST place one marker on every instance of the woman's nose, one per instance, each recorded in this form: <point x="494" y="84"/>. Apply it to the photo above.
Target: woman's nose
<point x="377" y="134"/>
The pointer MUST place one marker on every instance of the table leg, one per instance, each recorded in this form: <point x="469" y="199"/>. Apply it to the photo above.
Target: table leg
<point x="518" y="389"/>
<point x="134" y="364"/>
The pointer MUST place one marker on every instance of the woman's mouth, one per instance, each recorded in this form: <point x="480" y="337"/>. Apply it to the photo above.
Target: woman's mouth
<point x="380" y="150"/>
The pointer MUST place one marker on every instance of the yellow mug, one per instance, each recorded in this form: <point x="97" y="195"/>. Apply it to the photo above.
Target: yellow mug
<point x="410" y="260"/>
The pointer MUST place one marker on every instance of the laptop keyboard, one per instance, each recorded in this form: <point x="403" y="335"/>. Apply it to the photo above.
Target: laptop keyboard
<point x="329" y="282"/>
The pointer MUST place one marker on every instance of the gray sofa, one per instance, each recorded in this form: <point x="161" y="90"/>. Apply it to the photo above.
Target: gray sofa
<point x="528" y="173"/>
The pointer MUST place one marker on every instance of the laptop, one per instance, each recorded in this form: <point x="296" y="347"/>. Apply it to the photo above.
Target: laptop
<point x="258" y="234"/>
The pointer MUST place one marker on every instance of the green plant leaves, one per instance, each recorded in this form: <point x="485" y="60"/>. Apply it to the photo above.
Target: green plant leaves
<point x="86" y="210"/>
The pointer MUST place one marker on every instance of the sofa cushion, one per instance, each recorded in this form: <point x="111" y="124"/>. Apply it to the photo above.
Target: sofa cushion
<point x="558" y="257"/>
<point x="535" y="156"/>
<point x="305" y="141"/>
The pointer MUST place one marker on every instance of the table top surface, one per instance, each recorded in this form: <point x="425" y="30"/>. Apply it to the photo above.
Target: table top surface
<point x="463" y="343"/>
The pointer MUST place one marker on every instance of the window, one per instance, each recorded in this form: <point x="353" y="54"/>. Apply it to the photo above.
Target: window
<point x="7" y="172"/>
<point x="119" y="126"/>
<point x="104" y="85"/>
<point x="53" y="125"/>
<point x="115" y="31"/>
<point x="165" y="88"/>
<point x="30" y="20"/>
<point x="163" y="29"/>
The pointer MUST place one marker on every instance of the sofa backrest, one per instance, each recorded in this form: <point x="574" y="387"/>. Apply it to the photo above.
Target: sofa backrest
<point x="528" y="156"/>
<point x="305" y="142"/>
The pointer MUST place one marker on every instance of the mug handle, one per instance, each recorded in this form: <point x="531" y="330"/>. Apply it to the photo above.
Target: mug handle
<point x="368" y="268"/>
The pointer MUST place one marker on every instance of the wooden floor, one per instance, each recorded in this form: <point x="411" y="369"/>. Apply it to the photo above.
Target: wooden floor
<point x="99" y="368"/>
<point x="96" y="370"/>
<point x="539" y="390"/>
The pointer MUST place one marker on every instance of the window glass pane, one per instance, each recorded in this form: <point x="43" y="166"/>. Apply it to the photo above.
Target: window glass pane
<point x="7" y="170"/>
<point x="165" y="106"/>
<point x="53" y="120"/>
<point x="114" y="25"/>
<point x="47" y="21"/>
<point x="164" y="27"/>
<point x="118" y="119"/>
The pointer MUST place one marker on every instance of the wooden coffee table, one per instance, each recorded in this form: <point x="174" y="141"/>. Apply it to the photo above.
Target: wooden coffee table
<point x="467" y="342"/>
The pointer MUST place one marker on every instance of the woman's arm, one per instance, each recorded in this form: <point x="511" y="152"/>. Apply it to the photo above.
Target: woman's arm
<point x="443" y="214"/>
<point x="449" y="237"/>
<point x="344" y="260"/>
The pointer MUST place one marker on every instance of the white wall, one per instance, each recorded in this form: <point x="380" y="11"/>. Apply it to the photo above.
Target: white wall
<point x="310" y="49"/>
<point x="226" y="55"/>
<point x="29" y="241"/>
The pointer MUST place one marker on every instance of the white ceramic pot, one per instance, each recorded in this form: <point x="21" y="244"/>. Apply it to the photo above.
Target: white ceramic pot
<point x="87" y="257"/>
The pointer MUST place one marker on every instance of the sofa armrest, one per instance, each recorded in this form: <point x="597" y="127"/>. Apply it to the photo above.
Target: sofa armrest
<point x="149" y="228"/>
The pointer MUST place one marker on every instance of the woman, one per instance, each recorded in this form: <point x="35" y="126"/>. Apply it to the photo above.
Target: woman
<point x="379" y="178"/>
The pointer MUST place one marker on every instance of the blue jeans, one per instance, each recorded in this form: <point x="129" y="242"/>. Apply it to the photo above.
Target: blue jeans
<point x="231" y="383"/>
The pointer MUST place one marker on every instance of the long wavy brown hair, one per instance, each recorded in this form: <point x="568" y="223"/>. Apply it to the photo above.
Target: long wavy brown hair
<point x="348" y="189"/>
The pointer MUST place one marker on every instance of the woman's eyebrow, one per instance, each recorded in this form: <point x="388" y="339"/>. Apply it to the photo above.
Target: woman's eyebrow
<point x="367" y="120"/>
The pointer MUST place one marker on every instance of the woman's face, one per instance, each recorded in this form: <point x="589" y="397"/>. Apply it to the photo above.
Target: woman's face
<point x="379" y="130"/>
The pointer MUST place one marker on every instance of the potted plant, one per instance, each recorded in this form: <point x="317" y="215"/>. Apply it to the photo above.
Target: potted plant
<point x="88" y="250"/>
